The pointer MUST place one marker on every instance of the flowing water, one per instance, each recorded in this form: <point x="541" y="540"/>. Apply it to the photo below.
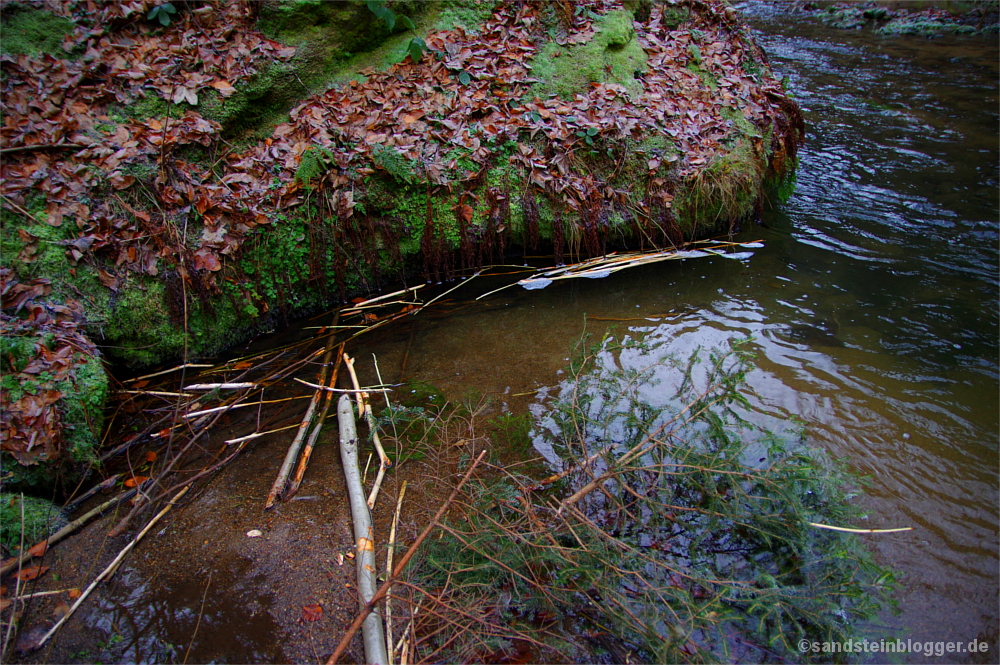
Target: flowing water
<point x="873" y="308"/>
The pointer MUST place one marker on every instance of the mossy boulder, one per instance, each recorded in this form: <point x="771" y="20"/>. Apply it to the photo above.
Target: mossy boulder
<point x="52" y="389"/>
<point x="26" y="519"/>
<point x="325" y="36"/>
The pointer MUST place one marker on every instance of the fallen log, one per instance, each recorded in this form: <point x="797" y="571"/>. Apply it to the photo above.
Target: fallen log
<point x="369" y="607"/>
<point x="364" y="536"/>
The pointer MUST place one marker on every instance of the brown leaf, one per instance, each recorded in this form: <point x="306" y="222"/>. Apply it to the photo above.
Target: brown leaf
<point x="39" y="549"/>
<point x="31" y="573"/>
<point x="246" y="364"/>
<point x="225" y="88"/>
<point x="107" y="279"/>
<point x="207" y="261"/>
<point x="312" y="612"/>
<point x="136" y="480"/>
<point x="151" y="456"/>
<point x="60" y="610"/>
<point x="74" y="594"/>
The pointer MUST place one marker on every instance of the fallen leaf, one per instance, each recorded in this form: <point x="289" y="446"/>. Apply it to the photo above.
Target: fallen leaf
<point x="39" y="549"/>
<point x="107" y="279"/>
<point x="246" y="364"/>
<point x="31" y="573"/>
<point x="74" y="594"/>
<point x="60" y="610"/>
<point x="225" y="88"/>
<point x="255" y="533"/>
<point x="5" y="603"/>
<point x="151" y="456"/>
<point x="136" y="480"/>
<point x="31" y="639"/>
<point x="312" y="612"/>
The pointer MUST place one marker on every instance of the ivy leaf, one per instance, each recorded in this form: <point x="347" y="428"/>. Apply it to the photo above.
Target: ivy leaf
<point x="464" y="78"/>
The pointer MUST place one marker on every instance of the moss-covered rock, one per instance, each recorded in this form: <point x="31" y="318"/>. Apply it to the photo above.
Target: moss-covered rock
<point x="31" y="517"/>
<point x="52" y="389"/>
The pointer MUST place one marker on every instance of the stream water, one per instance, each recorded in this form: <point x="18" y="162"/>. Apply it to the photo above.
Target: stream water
<point x="873" y="308"/>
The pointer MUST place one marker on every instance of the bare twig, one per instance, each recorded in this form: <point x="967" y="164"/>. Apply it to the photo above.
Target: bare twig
<point x="300" y="471"/>
<point x="388" y="565"/>
<point x="281" y="481"/>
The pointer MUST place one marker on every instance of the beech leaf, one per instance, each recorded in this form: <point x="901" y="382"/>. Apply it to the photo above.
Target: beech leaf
<point x="31" y="573"/>
<point x="312" y="612"/>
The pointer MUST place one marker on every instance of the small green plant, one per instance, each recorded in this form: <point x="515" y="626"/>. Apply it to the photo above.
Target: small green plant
<point x="588" y="134"/>
<point x="315" y="163"/>
<point x="163" y="13"/>
<point x="417" y="46"/>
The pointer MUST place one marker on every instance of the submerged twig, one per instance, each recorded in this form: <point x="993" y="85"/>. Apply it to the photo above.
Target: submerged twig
<point x="300" y="470"/>
<point x="111" y="567"/>
<point x="281" y="481"/>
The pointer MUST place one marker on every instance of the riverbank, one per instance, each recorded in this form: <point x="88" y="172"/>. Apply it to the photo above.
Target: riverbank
<point x="168" y="194"/>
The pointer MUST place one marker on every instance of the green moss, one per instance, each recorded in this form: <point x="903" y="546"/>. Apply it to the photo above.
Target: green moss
<point x="349" y="25"/>
<point x="83" y="409"/>
<point x="259" y="103"/>
<point x="41" y="518"/>
<point x="32" y="31"/>
<point x="154" y="106"/>
<point x="724" y="191"/>
<point x="34" y="248"/>
<point x="464" y="14"/>
<point x="612" y="56"/>
<point x="139" y="326"/>
<point x="674" y="16"/>
<point x="920" y="25"/>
